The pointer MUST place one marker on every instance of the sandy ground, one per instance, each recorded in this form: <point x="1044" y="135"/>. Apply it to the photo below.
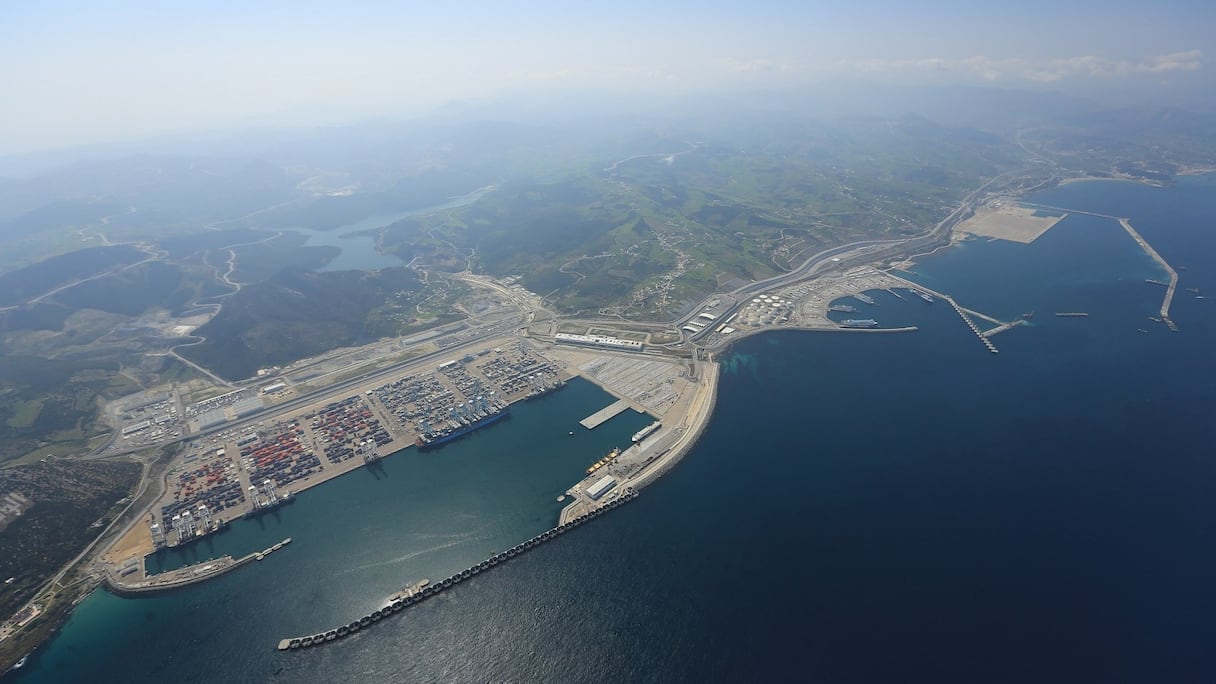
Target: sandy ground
<point x="1008" y="222"/>
<point x="136" y="542"/>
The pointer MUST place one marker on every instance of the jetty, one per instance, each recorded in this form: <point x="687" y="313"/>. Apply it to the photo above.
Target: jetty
<point x="971" y="324"/>
<point x="191" y="574"/>
<point x="424" y="590"/>
<point x="1170" y="287"/>
<point x="605" y="414"/>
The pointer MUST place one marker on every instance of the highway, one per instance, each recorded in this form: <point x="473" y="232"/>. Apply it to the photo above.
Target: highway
<point x="814" y="264"/>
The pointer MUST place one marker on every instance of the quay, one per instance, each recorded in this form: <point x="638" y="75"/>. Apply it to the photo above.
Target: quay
<point x="422" y="591"/>
<point x="605" y="414"/>
<point x="184" y="577"/>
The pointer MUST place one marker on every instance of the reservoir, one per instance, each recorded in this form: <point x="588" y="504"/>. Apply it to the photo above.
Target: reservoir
<point x="357" y="241"/>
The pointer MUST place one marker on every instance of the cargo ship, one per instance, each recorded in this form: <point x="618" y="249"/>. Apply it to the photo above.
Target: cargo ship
<point x="547" y="389"/>
<point x="845" y="308"/>
<point x="604" y="461"/>
<point x="863" y="298"/>
<point x="190" y="530"/>
<point x="646" y="431"/>
<point x="369" y="450"/>
<point x="266" y="498"/>
<point x="433" y="439"/>
<point x="859" y="323"/>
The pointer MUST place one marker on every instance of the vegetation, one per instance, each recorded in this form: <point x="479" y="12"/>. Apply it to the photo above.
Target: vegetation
<point x="51" y="404"/>
<point x="72" y="500"/>
<point x="19" y="285"/>
<point x="296" y="314"/>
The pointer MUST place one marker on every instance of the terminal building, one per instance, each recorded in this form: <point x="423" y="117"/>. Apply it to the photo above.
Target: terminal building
<point x="599" y="341"/>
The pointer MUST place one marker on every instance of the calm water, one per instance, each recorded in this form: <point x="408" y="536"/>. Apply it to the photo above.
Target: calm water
<point x="862" y="508"/>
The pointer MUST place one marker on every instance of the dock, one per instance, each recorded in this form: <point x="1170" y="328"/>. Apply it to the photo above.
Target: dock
<point x="422" y="591"/>
<point x="605" y="414"/>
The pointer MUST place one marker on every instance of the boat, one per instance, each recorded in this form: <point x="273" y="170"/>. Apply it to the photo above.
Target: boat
<point x="863" y="298"/>
<point x="431" y="440"/>
<point x="411" y="590"/>
<point x="859" y="323"/>
<point x="20" y="663"/>
<point x="1072" y="314"/>
<point x="844" y="308"/>
<point x="646" y="431"/>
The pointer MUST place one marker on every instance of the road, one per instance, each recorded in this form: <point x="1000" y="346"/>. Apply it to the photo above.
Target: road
<point x="816" y="263"/>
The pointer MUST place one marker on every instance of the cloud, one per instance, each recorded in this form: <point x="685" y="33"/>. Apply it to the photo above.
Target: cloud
<point x="1043" y="71"/>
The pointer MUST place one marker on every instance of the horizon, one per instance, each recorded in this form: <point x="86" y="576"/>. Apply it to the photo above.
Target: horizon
<point x="97" y="74"/>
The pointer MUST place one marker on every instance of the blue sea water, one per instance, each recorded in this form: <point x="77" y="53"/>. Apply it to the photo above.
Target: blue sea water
<point x="861" y="508"/>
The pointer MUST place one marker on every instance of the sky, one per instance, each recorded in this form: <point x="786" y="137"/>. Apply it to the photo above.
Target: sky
<point x="74" y="73"/>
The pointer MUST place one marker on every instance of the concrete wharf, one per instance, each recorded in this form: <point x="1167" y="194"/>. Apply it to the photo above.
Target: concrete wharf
<point x="191" y="574"/>
<point x="413" y="597"/>
<point x="605" y="414"/>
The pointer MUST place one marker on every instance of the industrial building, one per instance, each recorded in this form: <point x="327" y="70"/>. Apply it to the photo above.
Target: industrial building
<point x="599" y="341"/>
<point x="601" y="487"/>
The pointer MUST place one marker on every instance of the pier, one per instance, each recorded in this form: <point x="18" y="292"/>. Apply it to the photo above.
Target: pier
<point x="966" y="315"/>
<point x="191" y="574"/>
<point x="422" y="591"/>
<point x="1171" y="286"/>
<point x="605" y="414"/>
<point x="1002" y="328"/>
<point x="974" y="328"/>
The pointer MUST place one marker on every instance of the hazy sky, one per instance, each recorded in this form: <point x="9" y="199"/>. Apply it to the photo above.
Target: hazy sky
<point x="82" y="72"/>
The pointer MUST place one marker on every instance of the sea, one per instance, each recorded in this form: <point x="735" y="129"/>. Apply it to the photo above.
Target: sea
<point x="862" y="507"/>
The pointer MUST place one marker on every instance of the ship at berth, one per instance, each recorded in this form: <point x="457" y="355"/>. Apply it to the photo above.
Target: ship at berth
<point x="646" y="431"/>
<point x="266" y="498"/>
<point x="369" y="451"/>
<point x="190" y="527"/>
<point x="462" y="419"/>
<point x="859" y="323"/>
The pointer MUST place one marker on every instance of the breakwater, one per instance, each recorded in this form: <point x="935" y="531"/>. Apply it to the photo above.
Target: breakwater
<point x="184" y="577"/>
<point x="412" y="597"/>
